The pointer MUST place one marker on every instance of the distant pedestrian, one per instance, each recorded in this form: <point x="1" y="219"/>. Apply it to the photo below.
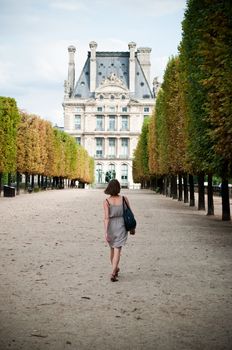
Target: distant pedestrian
<point x="115" y="231"/>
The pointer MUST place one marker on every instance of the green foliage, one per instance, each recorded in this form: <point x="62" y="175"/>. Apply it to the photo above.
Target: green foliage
<point x="161" y="134"/>
<point x="31" y="145"/>
<point x="140" y="162"/>
<point x="174" y="118"/>
<point x="41" y="149"/>
<point x="9" y="119"/>
<point x="205" y="54"/>
<point x="152" y="146"/>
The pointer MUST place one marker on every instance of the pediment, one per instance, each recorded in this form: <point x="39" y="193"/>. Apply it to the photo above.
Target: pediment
<point x="112" y="84"/>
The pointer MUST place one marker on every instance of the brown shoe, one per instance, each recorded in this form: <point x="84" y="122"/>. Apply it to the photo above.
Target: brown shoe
<point x="113" y="278"/>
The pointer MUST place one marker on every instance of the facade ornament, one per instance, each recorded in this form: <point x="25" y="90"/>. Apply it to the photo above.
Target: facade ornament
<point x="156" y="86"/>
<point x="67" y="89"/>
<point x="112" y="79"/>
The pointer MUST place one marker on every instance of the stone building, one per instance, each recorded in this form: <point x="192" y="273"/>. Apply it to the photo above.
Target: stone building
<point x="105" y="108"/>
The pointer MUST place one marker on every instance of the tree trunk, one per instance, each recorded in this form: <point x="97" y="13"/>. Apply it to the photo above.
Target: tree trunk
<point x="174" y="187"/>
<point x="210" y="195"/>
<point x="39" y="181"/>
<point x="26" y="181"/>
<point x="42" y="182"/>
<point x="201" y="192"/>
<point x="185" y="188"/>
<point x="180" y="197"/>
<point x="160" y="183"/>
<point x="168" y="186"/>
<point x="0" y="184"/>
<point x="191" y="191"/>
<point x="18" y="183"/>
<point x="225" y="200"/>
<point x="170" y="193"/>
<point x="165" y="185"/>
<point x="32" y="181"/>
<point x="155" y="183"/>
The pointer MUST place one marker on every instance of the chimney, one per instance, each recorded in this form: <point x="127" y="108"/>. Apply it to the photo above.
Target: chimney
<point x="71" y="70"/>
<point x="132" y="47"/>
<point x="93" y="67"/>
<point x="143" y="55"/>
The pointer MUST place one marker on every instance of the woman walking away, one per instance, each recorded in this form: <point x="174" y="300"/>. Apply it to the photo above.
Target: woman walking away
<point x="115" y="231"/>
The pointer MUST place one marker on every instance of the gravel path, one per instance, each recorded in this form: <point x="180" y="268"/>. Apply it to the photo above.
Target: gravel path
<point x="175" y="287"/>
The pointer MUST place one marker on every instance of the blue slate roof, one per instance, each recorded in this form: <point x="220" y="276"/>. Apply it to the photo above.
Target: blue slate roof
<point x="118" y="64"/>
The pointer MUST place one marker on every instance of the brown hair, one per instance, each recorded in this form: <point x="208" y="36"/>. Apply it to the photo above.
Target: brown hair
<point x="113" y="188"/>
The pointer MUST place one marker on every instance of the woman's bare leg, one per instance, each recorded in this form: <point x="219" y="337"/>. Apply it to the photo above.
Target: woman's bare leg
<point x="111" y="255"/>
<point x="116" y="259"/>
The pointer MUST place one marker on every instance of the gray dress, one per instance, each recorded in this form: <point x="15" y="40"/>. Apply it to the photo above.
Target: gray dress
<point x="116" y="230"/>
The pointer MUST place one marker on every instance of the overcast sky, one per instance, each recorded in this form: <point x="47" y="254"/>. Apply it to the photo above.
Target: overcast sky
<point x="34" y="36"/>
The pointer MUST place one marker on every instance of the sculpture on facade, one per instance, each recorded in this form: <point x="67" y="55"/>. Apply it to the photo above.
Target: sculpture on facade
<point x="156" y="86"/>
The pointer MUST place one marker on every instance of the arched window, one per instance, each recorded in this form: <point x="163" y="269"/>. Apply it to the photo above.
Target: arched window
<point x="99" y="175"/>
<point x="112" y="171"/>
<point x="124" y="174"/>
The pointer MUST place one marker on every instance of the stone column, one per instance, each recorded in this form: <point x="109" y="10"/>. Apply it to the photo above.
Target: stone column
<point x="106" y="148"/>
<point x="106" y="122"/>
<point x="132" y="47"/>
<point x="93" y="67"/>
<point x="116" y="147"/>
<point x="71" y="69"/>
<point x="143" y="55"/>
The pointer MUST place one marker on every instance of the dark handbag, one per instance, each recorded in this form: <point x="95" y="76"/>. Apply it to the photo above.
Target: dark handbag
<point x="129" y="219"/>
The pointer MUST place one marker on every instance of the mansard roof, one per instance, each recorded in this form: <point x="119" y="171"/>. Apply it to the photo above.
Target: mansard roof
<point x="116" y="63"/>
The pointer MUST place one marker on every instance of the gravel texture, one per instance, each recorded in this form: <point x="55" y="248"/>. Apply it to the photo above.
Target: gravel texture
<point x="174" y="289"/>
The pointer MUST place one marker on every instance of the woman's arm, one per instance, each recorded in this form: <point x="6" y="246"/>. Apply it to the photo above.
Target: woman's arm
<point x="106" y="219"/>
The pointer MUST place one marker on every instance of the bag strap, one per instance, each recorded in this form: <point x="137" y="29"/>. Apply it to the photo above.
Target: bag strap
<point x="108" y="202"/>
<point x="124" y="202"/>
